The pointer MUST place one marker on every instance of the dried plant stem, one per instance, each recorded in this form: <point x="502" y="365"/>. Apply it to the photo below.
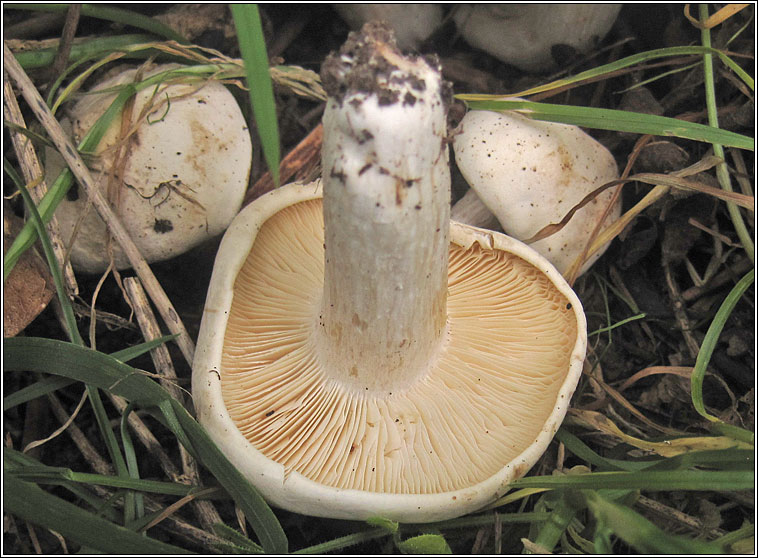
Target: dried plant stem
<point x="148" y="440"/>
<point x="67" y="37"/>
<point x="679" y="312"/>
<point x="305" y="157"/>
<point x="32" y="172"/>
<point x="88" y="451"/>
<point x="722" y="172"/>
<point x="671" y="514"/>
<point x="101" y="466"/>
<point x="82" y="174"/>
<point x="172" y="524"/>
<point x="150" y="330"/>
<point x="730" y="275"/>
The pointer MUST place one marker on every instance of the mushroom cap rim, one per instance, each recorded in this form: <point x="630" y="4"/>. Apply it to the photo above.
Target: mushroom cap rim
<point x="298" y="493"/>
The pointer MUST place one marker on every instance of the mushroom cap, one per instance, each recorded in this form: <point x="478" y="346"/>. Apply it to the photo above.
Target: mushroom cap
<point x="444" y="446"/>
<point x="524" y="34"/>
<point x="531" y="173"/>
<point x="412" y="23"/>
<point x="184" y="178"/>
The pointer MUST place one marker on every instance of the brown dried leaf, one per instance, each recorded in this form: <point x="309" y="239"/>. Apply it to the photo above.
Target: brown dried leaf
<point x="29" y="287"/>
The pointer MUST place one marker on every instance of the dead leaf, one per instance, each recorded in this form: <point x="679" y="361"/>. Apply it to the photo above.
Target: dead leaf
<point x="29" y="287"/>
<point x="667" y="448"/>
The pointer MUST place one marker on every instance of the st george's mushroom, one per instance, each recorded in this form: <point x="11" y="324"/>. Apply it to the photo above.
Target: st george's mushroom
<point x="359" y="354"/>
<point x="530" y="174"/>
<point x="186" y="160"/>
<point x="412" y="23"/>
<point x="527" y="35"/>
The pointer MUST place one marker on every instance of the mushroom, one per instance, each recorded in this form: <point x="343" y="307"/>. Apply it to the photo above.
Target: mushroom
<point x="525" y="35"/>
<point x="359" y="354"/>
<point x="412" y="23"/>
<point x="530" y="174"/>
<point x="184" y="173"/>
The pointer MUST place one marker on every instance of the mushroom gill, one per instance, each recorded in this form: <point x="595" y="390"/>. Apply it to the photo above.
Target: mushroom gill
<point x="484" y="401"/>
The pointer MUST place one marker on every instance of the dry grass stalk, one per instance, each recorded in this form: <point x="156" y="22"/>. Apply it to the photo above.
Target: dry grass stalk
<point x="32" y="171"/>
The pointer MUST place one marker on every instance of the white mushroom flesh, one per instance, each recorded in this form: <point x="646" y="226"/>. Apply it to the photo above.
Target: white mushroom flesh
<point x="530" y="174"/>
<point x="525" y="34"/>
<point x="412" y="23"/>
<point x="184" y="175"/>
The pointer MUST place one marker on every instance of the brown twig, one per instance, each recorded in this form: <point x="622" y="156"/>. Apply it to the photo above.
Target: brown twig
<point x="731" y="274"/>
<point x="164" y="366"/>
<point x="148" y="439"/>
<point x="671" y="514"/>
<point x="82" y="174"/>
<point x="67" y="40"/>
<point x="298" y="164"/>
<point x="88" y="451"/>
<point x="101" y="466"/>
<point x="32" y="171"/>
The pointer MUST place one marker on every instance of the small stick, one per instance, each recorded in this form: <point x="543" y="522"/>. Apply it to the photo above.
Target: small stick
<point x="82" y="174"/>
<point x="672" y="514"/>
<point x="164" y="366"/>
<point x="731" y="274"/>
<point x="680" y="311"/>
<point x="150" y="330"/>
<point x="67" y="41"/>
<point x="173" y="523"/>
<point x="148" y="439"/>
<point x="88" y="451"/>
<point x="32" y="171"/>
<point x="298" y="163"/>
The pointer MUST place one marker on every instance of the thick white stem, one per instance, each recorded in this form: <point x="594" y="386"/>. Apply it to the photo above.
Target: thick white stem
<point x="386" y="212"/>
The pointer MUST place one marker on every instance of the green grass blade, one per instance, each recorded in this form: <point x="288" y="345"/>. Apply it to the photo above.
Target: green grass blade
<point x="645" y="480"/>
<point x="747" y="531"/>
<point x="33" y="59"/>
<point x="710" y="340"/>
<point x="73" y="332"/>
<point x="51" y="356"/>
<point x="640" y="533"/>
<point x="125" y="355"/>
<point x="344" y="542"/>
<point x="15" y="459"/>
<point x="79" y="363"/>
<point x="730" y="459"/>
<point x="27" y="236"/>
<point x="132" y="466"/>
<point x="633" y="60"/>
<point x="54" y="383"/>
<point x="481" y="520"/>
<point x="43" y="474"/>
<point x="52" y="261"/>
<point x="550" y="531"/>
<point x="37" y="389"/>
<point x="722" y="173"/>
<point x="109" y="13"/>
<point x="617" y="120"/>
<point x="428" y="543"/>
<point x="26" y="501"/>
<point x="238" y="542"/>
<point x="253" y="49"/>
<point x="261" y="518"/>
<point x="583" y="451"/>
<point x="724" y="460"/>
